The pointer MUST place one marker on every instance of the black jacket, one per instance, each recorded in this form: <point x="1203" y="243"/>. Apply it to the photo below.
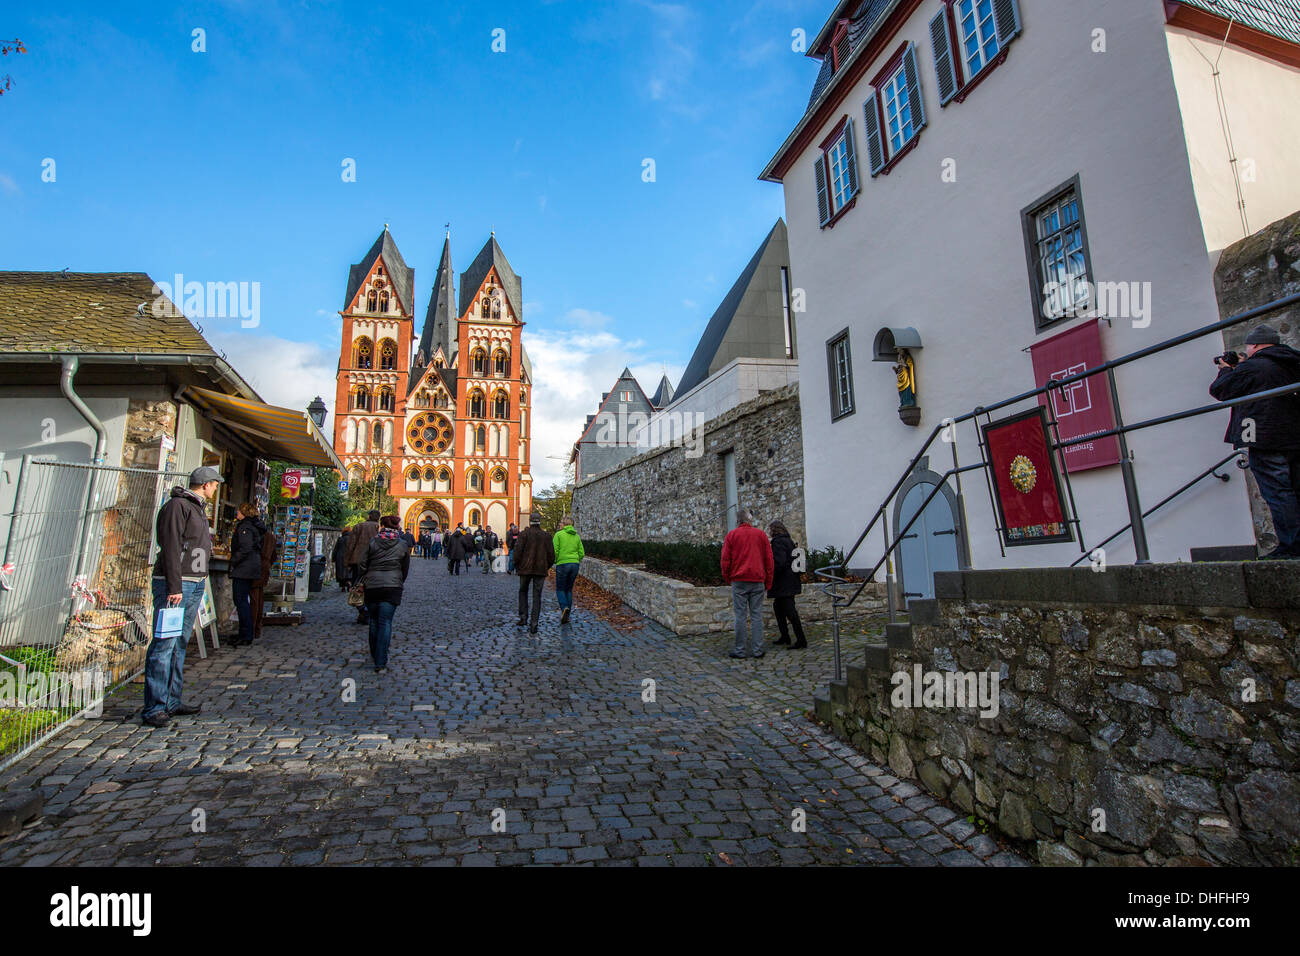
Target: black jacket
<point x="341" y="557"/>
<point x="511" y="537"/>
<point x="490" y="541"/>
<point x="785" y="580"/>
<point x="385" y="563"/>
<point x="1277" y="420"/>
<point x="534" y="552"/>
<point x="455" y="546"/>
<point x="184" y="539"/>
<point x="246" y="549"/>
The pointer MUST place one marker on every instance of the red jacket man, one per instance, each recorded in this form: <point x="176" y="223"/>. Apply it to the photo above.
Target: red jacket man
<point x="747" y="567"/>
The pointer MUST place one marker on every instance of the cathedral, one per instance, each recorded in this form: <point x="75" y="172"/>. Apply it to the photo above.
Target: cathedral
<point x="441" y="422"/>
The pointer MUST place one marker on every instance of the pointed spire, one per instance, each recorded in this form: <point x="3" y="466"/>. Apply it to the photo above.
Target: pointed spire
<point x="440" y="320"/>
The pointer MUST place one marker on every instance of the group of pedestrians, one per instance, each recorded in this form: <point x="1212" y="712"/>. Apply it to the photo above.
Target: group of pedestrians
<point x="756" y="565"/>
<point x="533" y="555"/>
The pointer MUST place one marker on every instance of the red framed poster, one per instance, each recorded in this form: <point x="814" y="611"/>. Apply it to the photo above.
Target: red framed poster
<point x="1026" y="483"/>
<point x="1081" y="408"/>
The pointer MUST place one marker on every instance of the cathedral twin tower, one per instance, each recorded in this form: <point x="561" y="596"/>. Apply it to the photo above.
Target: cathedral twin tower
<point x="441" y="424"/>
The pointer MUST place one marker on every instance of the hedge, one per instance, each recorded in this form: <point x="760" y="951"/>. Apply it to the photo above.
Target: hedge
<point x="700" y="563"/>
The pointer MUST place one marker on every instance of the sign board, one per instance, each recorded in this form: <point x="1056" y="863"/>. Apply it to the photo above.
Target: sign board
<point x="343" y="486"/>
<point x="307" y="480"/>
<point x="1081" y="408"/>
<point x="290" y="483"/>
<point x="207" y="612"/>
<point x="1027" y="486"/>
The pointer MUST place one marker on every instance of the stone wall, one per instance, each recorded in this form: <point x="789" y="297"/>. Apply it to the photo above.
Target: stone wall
<point x="1251" y="273"/>
<point x="146" y="424"/>
<point x="673" y="494"/>
<point x="1145" y="715"/>
<point x="686" y="609"/>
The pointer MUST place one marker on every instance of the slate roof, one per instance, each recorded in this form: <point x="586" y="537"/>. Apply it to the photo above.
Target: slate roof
<point x="91" y="312"/>
<point x="488" y="257"/>
<point x="863" y="21"/>
<point x="1279" y="18"/>
<point x="440" y="319"/>
<point x="402" y="276"/>
<point x="697" y="369"/>
<point x="663" y="394"/>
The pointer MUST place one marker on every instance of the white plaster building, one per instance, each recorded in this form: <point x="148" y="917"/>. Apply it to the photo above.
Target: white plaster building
<point x="954" y="156"/>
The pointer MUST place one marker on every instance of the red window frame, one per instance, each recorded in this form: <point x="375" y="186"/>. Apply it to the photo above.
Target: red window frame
<point x="841" y="28"/>
<point x="966" y="85"/>
<point x="892" y="66"/>
<point x="831" y="138"/>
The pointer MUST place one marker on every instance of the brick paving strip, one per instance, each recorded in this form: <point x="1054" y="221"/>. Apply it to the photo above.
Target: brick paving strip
<point x="473" y="716"/>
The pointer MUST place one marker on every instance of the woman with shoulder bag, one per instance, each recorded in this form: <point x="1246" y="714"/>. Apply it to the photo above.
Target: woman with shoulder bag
<point x="785" y="585"/>
<point x="383" y="569"/>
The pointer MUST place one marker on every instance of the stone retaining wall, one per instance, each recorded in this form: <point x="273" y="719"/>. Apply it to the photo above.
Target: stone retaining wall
<point x="686" y="609"/>
<point x="1145" y="715"/>
<point x="674" y="494"/>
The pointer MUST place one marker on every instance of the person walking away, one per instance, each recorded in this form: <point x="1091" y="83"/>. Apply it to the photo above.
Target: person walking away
<point x="455" y="544"/>
<point x="478" y="546"/>
<point x="383" y="569"/>
<point x="785" y="585"/>
<point x="490" y="544"/>
<point x="179" y="576"/>
<point x="340" y="557"/>
<point x="359" y="541"/>
<point x="747" y="567"/>
<point x="1268" y="428"/>
<point x="568" y="554"/>
<point x="246" y="567"/>
<point x="512" y="538"/>
<point x="534" y="553"/>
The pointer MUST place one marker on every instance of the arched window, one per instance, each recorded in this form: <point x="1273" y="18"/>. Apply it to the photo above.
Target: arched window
<point x="381" y="477"/>
<point x="387" y="402"/>
<point x="363" y="353"/>
<point x="500" y="405"/>
<point x="498" y="486"/>
<point x="357" y="474"/>
<point x="496" y="308"/>
<point x="388" y="355"/>
<point x="478" y="362"/>
<point x="474" y="480"/>
<point x="429" y="473"/>
<point x="437" y="363"/>
<point x="421" y="399"/>
<point x="480" y="440"/>
<point x="477" y="404"/>
<point x="413" y="474"/>
<point x="383" y="301"/>
<point x="372" y="300"/>
<point x="444" y="480"/>
<point x="523" y="396"/>
<point x="361" y="399"/>
<point x="487" y="307"/>
<point x="440" y="400"/>
<point x="475" y="516"/>
<point x="377" y="436"/>
<point x="500" y="364"/>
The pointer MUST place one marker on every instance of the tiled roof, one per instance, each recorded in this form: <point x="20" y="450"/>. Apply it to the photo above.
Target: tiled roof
<point x="402" y="275"/>
<point x="89" y="312"/>
<point x="489" y="257"/>
<point x="1279" y="18"/>
<point x="862" y="26"/>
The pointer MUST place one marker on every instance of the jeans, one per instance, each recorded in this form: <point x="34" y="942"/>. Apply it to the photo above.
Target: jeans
<point x="453" y="566"/>
<point x="437" y="550"/>
<point x="381" y="631"/>
<point x="510" y="561"/>
<point x="1278" y="475"/>
<point x="164" y="665"/>
<point x="535" y="582"/>
<point x="787" y="616"/>
<point x="242" y="589"/>
<point x="565" y="575"/>
<point x="747" y="599"/>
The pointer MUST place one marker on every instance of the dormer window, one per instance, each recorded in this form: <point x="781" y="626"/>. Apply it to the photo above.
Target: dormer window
<point x="839" y="51"/>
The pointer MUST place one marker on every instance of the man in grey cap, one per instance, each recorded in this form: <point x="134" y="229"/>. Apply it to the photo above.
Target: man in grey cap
<point x="1269" y="428"/>
<point x="179" y="576"/>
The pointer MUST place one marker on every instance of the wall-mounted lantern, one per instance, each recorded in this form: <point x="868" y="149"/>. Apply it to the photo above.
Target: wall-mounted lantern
<point x="896" y="346"/>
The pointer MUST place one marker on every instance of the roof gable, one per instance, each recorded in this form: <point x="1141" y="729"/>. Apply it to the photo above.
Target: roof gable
<point x="471" y="280"/>
<point x="403" y="277"/>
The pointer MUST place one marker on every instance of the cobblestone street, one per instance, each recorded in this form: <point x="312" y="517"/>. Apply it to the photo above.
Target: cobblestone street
<point x="474" y="715"/>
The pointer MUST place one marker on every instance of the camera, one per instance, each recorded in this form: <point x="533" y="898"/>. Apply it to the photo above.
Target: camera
<point x="1229" y="359"/>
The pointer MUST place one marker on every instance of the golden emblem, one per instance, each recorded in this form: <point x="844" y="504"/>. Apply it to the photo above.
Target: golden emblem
<point x="1023" y="474"/>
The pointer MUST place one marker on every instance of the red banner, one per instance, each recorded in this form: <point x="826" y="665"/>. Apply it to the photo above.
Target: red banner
<point x="1084" y="407"/>
<point x="1030" y="507"/>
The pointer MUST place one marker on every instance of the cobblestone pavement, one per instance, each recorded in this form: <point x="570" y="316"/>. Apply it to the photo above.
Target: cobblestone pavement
<point x="473" y="715"/>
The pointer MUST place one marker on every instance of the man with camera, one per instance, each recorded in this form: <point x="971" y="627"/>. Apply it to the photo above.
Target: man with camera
<point x="1268" y="428"/>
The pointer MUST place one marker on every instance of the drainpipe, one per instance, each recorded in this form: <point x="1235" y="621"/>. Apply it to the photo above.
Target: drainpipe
<point x="70" y="364"/>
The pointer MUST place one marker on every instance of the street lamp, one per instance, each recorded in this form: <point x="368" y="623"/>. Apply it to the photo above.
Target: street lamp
<point x="317" y="411"/>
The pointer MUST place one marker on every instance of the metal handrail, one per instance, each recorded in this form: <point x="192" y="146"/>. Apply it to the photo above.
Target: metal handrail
<point x="1120" y="430"/>
<point x="1212" y="470"/>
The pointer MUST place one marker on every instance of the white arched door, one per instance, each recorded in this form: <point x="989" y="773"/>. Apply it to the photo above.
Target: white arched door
<point x="930" y="545"/>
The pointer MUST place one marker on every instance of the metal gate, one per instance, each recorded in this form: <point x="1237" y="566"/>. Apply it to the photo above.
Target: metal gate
<point x="75" y="597"/>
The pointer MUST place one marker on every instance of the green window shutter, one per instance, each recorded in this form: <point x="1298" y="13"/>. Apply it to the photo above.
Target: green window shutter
<point x="943" y="61"/>
<point x="823" y="199"/>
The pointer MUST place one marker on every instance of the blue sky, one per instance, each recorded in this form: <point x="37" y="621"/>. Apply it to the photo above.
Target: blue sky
<point x="226" y="165"/>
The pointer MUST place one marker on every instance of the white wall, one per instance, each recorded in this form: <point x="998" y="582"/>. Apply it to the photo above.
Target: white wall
<point x="737" y="382"/>
<point x="949" y="259"/>
<point x="1261" y="96"/>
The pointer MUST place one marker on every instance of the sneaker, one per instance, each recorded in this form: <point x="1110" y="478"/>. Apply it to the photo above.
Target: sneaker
<point x="157" y="720"/>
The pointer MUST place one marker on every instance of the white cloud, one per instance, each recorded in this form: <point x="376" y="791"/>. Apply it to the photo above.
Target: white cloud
<point x="586" y="319"/>
<point x="8" y="186"/>
<point x="571" y="369"/>
<point x="285" y="373"/>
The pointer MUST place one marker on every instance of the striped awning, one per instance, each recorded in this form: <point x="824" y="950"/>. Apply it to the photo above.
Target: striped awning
<point x="280" y="434"/>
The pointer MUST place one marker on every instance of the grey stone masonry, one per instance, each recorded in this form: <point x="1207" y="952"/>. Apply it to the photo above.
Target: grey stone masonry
<point x="678" y="493"/>
<point x="1144" y="715"/>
